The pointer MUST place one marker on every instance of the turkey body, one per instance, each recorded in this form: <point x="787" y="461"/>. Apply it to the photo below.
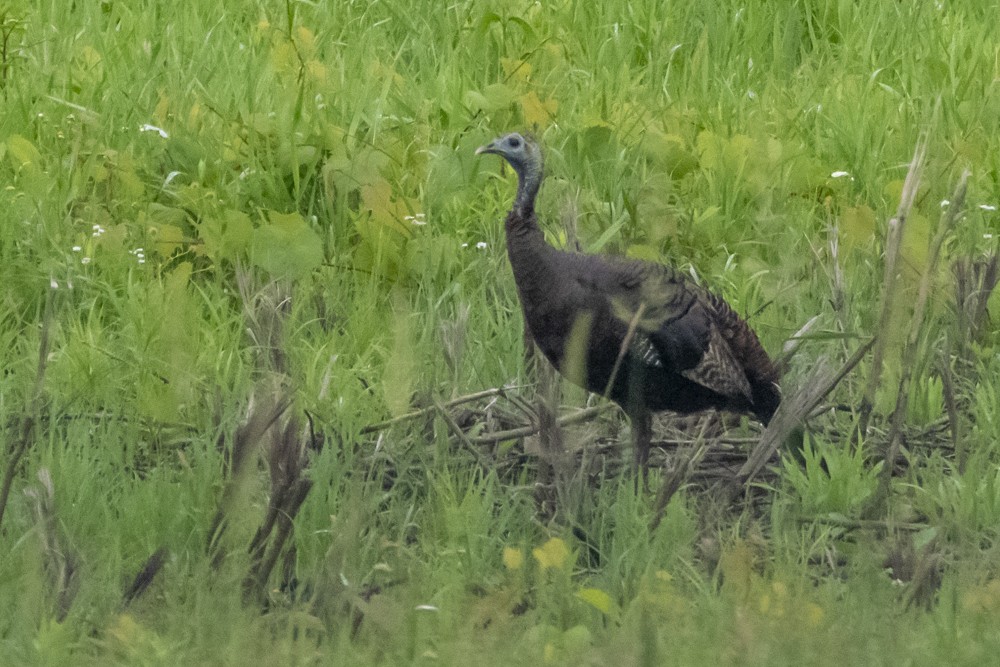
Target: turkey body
<point x="640" y="333"/>
<point x="580" y="308"/>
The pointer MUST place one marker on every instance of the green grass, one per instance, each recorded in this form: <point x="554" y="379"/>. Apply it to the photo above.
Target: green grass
<point x="303" y="142"/>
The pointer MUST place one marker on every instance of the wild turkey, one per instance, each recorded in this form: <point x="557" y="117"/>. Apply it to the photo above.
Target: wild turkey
<point x="639" y="333"/>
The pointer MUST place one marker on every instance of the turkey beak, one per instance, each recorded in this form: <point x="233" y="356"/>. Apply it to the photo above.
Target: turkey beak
<point x="488" y="148"/>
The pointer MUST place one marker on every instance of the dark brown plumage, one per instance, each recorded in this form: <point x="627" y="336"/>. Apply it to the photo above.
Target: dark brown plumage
<point x="641" y="333"/>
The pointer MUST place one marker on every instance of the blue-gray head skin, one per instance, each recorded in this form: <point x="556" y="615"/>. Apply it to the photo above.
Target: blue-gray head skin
<point x="525" y="157"/>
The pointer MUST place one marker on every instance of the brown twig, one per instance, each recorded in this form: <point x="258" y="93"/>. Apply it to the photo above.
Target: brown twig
<point x="951" y="405"/>
<point x="784" y="360"/>
<point x="676" y="478"/>
<point x="888" y="526"/>
<point x="144" y="577"/>
<point x="457" y="431"/>
<point x="33" y="409"/>
<point x="247" y="439"/>
<point x="524" y="431"/>
<point x="59" y="560"/>
<point x="975" y="281"/>
<point x="794" y="409"/>
<point x="382" y="425"/>
<point x="623" y="348"/>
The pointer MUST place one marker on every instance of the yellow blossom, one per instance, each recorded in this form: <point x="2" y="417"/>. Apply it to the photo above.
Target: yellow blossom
<point x="814" y="614"/>
<point x="513" y="558"/>
<point x="551" y="554"/>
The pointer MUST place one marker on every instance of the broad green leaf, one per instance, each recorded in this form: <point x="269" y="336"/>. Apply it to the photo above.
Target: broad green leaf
<point x="669" y="151"/>
<point x="516" y="69"/>
<point x="498" y="96"/>
<point x="432" y="256"/>
<point x="596" y="598"/>
<point x="387" y="209"/>
<point x="535" y="112"/>
<point x="644" y="252"/>
<point x="857" y="225"/>
<point x="609" y="233"/>
<point x="166" y="238"/>
<point x="655" y="208"/>
<point x="286" y="246"/>
<point x="177" y="283"/>
<point x="23" y="152"/>
<point x="349" y="172"/>
<point x="226" y="236"/>
<point x="475" y="100"/>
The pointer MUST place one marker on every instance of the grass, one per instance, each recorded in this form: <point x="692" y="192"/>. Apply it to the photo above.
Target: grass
<point x="161" y="163"/>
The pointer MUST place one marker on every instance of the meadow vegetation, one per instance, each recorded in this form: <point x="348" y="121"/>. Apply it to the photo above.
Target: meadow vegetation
<point x="237" y="237"/>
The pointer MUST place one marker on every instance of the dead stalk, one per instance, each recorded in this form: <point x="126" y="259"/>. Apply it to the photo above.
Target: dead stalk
<point x="894" y="235"/>
<point x="678" y="476"/>
<point x="911" y="347"/>
<point x="26" y="429"/>
<point x="795" y="408"/>
<point x="383" y="425"/>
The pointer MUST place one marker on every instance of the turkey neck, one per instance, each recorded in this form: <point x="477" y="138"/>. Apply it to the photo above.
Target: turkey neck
<point x="531" y="258"/>
<point x="532" y="261"/>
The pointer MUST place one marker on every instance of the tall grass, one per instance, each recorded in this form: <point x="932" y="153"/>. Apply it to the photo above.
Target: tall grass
<point x="151" y="152"/>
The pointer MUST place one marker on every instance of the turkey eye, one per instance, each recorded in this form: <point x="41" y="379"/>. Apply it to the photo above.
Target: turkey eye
<point x="514" y="142"/>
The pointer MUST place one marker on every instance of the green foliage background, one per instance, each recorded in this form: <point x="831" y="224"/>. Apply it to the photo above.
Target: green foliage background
<point x="148" y="149"/>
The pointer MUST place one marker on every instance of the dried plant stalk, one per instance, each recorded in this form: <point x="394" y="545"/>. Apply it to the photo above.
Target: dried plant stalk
<point x="26" y="429"/>
<point x="913" y="341"/>
<point x="894" y="236"/>
<point x="795" y="408"/>
<point x="60" y="562"/>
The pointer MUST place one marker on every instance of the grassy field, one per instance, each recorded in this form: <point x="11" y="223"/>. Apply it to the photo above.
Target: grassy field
<point x="233" y="241"/>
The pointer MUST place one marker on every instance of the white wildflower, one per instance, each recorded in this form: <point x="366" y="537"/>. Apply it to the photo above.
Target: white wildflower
<point x="988" y="207"/>
<point x="146" y="127"/>
<point x="840" y="174"/>
<point x="481" y="245"/>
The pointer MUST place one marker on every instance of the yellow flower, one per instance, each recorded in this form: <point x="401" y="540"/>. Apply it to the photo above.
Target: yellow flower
<point x="513" y="558"/>
<point x="814" y="614"/>
<point x="551" y="554"/>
